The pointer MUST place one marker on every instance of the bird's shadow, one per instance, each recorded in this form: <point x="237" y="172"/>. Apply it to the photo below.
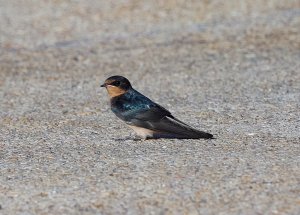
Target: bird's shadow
<point x="128" y="138"/>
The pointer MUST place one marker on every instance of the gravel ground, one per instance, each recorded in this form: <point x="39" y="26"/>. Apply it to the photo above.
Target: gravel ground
<point x="230" y="68"/>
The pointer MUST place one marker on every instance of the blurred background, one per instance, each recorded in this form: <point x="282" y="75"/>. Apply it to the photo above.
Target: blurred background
<point x="42" y="23"/>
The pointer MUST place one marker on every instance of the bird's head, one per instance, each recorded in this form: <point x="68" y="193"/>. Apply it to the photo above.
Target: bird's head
<point x="116" y="85"/>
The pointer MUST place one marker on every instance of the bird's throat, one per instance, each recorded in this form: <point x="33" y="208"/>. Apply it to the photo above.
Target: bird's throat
<point x="114" y="91"/>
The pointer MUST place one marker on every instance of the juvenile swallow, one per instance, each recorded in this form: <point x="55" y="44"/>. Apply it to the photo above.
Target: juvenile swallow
<point x="147" y="118"/>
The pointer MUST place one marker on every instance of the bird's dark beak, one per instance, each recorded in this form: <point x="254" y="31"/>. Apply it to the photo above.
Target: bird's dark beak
<point x="103" y="85"/>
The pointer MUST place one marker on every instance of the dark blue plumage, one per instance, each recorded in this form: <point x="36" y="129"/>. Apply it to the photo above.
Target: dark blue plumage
<point x="148" y="119"/>
<point x="132" y="103"/>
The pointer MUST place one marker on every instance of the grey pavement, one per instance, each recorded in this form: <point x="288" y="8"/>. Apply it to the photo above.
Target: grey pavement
<point x="231" y="68"/>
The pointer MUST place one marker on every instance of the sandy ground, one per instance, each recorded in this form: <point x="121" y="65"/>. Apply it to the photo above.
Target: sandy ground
<point x="227" y="67"/>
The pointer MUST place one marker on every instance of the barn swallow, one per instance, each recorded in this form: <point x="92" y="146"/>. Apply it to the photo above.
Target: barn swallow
<point x="145" y="117"/>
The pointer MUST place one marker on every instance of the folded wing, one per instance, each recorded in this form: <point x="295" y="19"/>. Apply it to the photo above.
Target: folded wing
<point x="165" y="125"/>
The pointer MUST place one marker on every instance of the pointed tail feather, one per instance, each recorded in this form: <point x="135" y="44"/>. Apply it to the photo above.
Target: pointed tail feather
<point x="173" y="128"/>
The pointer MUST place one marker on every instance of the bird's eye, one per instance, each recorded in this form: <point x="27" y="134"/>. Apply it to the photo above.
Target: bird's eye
<point x="116" y="83"/>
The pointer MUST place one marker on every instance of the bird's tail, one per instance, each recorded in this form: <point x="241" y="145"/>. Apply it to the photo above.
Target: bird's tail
<point x="169" y="127"/>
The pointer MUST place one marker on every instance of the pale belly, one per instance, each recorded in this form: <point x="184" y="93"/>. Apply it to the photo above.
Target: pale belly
<point x="142" y="132"/>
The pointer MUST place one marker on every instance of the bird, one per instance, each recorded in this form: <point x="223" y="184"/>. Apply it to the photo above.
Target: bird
<point x="148" y="119"/>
